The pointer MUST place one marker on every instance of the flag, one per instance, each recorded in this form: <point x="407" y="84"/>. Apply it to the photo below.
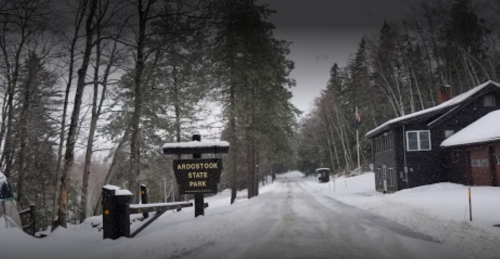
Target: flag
<point x="358" y="119"/>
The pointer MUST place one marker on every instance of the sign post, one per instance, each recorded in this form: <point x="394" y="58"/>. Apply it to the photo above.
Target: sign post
<point x="198" y="197"/>
<point x="198" y="175"/>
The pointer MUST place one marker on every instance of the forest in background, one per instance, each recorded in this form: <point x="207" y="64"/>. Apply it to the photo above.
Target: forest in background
<point x="139" y="73"/>
<point x="136" y="74"/>
<point x="398" y="71"/>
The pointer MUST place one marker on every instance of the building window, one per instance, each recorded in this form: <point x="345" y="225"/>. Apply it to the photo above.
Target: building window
<point x="391" y="176"/>
<point x="498" y="159"/>
<point x="489" y="100"/>
<point x="418" y="140"/>
<point x="391" y="141"/>
<point x="384" y="173"/>
<point x="448" y="133"/>
<point x="479" y="163"/>
<point x="379" y="177"/>
<point x="473" y="163"/>
<point x="384" y="142"/>
<point x="484" y="163"/>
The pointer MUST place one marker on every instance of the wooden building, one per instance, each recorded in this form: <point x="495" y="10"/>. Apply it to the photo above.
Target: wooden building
<point x="480" y="144"/>
<point x="407" y="150"/>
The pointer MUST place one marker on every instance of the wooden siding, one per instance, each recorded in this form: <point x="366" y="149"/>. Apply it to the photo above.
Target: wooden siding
<point x="424" y="167"/>
<point x="480" y="175"/>
<point x="496" y="164"/>
<point x="387" y="159"/>
<point x="456" y="165"/>
<point x="457" y="172"/>
<point x="400" y="152"/>
<point x="437" y="164"/>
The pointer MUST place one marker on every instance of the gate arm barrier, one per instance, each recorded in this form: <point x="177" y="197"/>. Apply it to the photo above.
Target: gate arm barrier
<point x="117" y="210"/>
<point x="159" y="208"/>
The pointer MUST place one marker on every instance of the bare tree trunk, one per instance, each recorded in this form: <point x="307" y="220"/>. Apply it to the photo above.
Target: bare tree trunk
<point x="340" y="132"/>
<point x="12" y="79"/>
<point x="78" y="21"/>
<point x="96" y="113"/>
<point x="327" y="133"/>
<point x="143" y="11"/>
<point x="177" y="106"/>
<point x="256" y="167"/>
<point x="232" y="125"/>
<point x="249" y="162"/>
<point x="70" y="144"/>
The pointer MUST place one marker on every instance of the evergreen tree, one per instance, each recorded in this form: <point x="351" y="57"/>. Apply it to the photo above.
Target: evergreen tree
<point x="253" y="71"/>
<point x="36" y="132"/>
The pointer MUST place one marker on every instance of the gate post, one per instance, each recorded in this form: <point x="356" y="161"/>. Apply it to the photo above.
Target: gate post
<point x="144" y="198"/>
<point x="116" y="212"/>
<point x="199" y="207"/>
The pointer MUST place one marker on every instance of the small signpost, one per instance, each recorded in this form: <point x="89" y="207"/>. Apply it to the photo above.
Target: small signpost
<point x="198" y="175"/>
<point x="194" y="176"/>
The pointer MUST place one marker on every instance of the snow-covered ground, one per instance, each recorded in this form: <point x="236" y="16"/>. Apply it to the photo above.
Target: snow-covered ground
<point x="437" y="211"/>
<point x="440" y="211"/>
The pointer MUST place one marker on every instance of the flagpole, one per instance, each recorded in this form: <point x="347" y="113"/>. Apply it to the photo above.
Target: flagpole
<point x="357" y="138"/>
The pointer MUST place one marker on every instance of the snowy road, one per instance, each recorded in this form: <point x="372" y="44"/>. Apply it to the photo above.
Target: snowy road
<point x="296" y="223"/>
<point x="294" y="217"/>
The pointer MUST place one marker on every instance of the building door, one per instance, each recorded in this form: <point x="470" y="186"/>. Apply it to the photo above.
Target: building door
<point x="480" y="166"/>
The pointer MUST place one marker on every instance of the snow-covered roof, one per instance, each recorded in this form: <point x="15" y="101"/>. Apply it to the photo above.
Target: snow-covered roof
<point x="122" y="192"/>
<point x="450" y="103"/>
<point x="111" y="187"/>
<point x="118" y="191"/>
<point x="485" y="129"/>
<point x="196" y="144"/>
<point x="321" y="169"/>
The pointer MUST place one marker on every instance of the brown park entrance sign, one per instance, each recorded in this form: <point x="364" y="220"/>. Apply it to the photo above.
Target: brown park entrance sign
<point x="197" y="176"/>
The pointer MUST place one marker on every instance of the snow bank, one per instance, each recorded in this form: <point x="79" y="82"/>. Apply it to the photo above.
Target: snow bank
<point x="438" y="210"/>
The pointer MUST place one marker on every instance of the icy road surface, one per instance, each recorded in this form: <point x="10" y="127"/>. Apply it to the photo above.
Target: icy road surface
<point x="296" y="223"/>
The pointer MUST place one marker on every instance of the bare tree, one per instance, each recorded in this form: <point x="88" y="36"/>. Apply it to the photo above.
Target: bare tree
<point x="71" y="140"/>
<point x="103" y="43"/>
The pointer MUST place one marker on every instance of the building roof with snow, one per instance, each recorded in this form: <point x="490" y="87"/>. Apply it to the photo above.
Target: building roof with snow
<point x="442" y="108"/>
<point x="485" y="129"/>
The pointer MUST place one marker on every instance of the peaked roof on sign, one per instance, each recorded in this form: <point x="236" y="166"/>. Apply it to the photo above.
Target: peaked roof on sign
<point x="441" y="107"/>
<point x="485" y="129"/>
<point x="196" y="144"/>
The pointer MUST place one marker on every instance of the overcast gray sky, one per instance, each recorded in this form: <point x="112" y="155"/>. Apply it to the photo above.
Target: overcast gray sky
<point x="324" y="32"/>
